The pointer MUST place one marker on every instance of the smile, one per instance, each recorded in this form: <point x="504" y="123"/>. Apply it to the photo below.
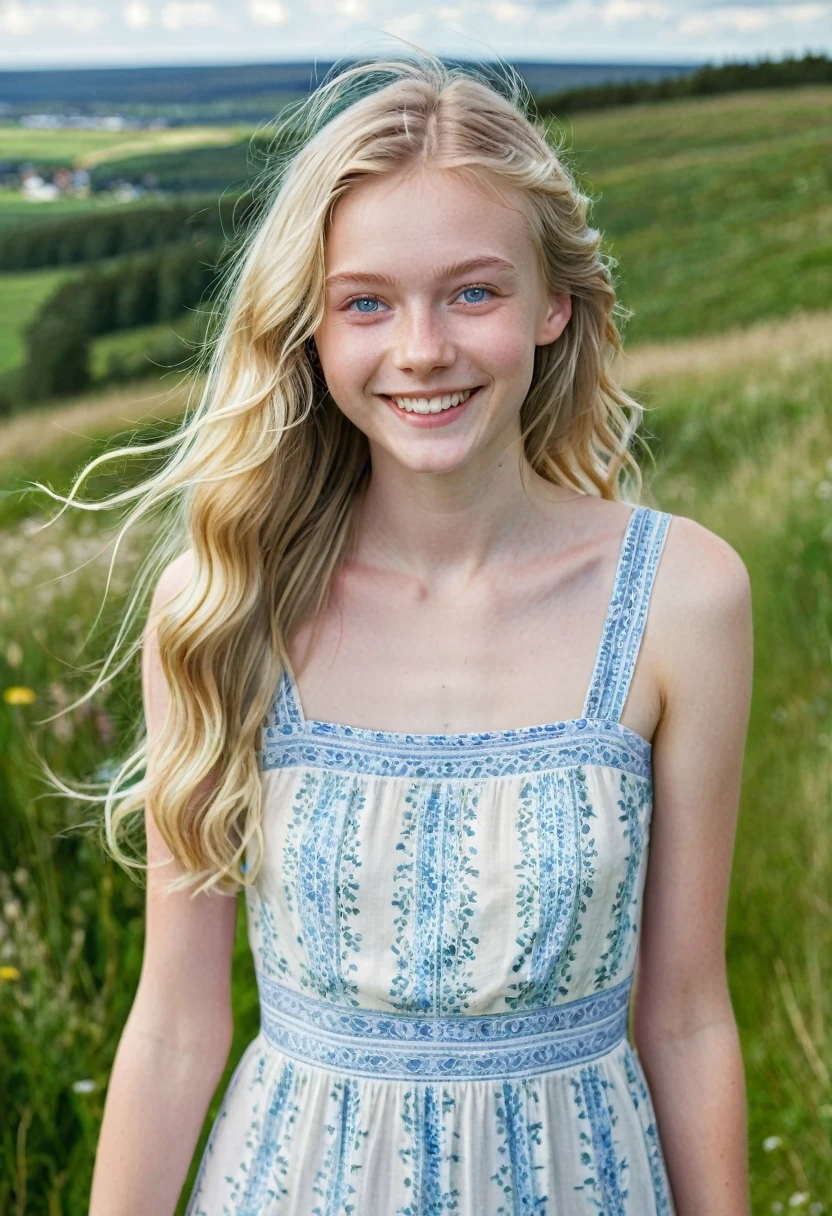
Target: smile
<point x="432" y="405"/>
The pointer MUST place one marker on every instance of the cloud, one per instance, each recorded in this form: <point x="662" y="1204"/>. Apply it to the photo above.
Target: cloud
<point x="268" y="12"/>
<point x="509" y="13"/>
<point x="617" y="11"/>
<point x="18" y="18"/>
<point x="742" y="19"/>
<point x="407" y="25"/>
<point x="189" y="14"/>
<point x="137" y="15"/>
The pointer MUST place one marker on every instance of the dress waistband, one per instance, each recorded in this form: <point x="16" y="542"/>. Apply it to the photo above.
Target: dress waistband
<point x="404" y="1047"/>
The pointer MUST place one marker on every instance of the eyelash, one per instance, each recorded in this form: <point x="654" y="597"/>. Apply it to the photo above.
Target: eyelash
<point x="471" y="287"/>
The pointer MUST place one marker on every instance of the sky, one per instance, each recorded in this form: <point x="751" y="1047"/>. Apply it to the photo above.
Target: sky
<point x="88" y="33"/>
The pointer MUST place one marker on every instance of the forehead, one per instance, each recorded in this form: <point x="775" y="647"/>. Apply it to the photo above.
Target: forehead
<point x="422" y="217"/>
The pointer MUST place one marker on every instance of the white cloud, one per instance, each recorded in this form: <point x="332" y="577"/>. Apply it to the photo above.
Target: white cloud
<point x="508" y="13"/>
<point x="808" y="12"/>
<point x="617" y="11"/>
<point x="268" y="12"/>
<point x="189" y="14"/>
<point x="17" y="18"/>
<point x="82" y="17"/>
<point x="405" y="26"/>
<point x="353" y="10"/>
<point x="137" y="15"/>
<point x="742" y="20"/>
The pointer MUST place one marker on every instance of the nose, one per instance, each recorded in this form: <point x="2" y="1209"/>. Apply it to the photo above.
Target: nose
<point x="422" y="341"/>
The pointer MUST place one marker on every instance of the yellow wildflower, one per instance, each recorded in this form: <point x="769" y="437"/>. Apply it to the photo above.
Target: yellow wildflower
<point x="18" y="695"/>
<point x="9" y="973"/>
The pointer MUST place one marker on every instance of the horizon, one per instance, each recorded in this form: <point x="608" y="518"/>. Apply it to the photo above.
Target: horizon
<point x="91" y="35"/>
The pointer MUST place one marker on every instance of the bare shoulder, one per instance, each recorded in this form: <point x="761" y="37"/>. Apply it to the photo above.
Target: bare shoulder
<point x="173" y="579"/>
<point x="701" y="572"/>
<point x="701" y="602"/>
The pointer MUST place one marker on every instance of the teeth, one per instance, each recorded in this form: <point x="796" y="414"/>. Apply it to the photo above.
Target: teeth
<point x="432" y="405"/>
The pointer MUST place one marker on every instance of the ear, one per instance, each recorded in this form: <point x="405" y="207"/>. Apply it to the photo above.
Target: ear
<point x="553" y="323"/>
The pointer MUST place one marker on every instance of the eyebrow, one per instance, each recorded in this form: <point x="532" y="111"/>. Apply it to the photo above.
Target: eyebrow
<point x="444" y="272"/>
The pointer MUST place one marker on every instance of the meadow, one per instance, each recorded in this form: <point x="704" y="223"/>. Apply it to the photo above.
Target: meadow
<point x="718" y="211"/>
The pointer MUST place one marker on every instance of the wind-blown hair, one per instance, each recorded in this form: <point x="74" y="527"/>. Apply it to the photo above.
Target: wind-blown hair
<point x="263" y="471"/>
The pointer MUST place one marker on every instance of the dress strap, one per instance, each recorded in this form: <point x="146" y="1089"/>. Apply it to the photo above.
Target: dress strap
<point x="618" y="649"/>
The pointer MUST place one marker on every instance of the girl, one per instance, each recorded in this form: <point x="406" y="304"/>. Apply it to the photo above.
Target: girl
<point x="422" y="679"/>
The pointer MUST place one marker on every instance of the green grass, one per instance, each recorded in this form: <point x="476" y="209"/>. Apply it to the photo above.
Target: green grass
<point x="21" y="295"/>
<point x="718" y="210"/>
<point x="73" y="147"/>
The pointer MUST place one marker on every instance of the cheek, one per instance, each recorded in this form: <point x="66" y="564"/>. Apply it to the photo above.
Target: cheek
<point x="504" y="350"/>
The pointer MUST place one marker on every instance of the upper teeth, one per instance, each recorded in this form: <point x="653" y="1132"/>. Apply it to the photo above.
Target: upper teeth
<point x="431" y="405"/>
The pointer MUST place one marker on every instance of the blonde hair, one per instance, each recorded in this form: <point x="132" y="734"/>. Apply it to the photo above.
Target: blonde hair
<point x="263" y="472"/>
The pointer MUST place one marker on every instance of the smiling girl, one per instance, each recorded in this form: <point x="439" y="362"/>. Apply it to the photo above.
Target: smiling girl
<point x="423" y="680"/>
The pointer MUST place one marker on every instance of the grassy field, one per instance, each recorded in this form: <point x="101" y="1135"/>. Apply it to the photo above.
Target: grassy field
<point x="82" y="149"/>
<point x="21" y="295"/>
<point x="718" y="210"/>
<point x="737" y="379"/>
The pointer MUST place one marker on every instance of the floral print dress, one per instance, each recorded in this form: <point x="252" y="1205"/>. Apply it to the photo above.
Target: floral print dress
<point x="445" y="930"/>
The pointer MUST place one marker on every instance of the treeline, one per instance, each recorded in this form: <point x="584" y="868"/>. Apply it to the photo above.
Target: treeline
<point x="135" y="291"/>
<point x="194" y="170"/>
<point x="114" y="233"/>
<point x="766" y="73"/>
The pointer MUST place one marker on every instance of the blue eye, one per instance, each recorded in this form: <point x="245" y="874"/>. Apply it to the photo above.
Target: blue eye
<point x="480" y="289"/>
<point x="365" y="300"/>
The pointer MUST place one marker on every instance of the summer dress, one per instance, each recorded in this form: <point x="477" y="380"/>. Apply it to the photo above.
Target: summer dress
<point x="445" y="930"/>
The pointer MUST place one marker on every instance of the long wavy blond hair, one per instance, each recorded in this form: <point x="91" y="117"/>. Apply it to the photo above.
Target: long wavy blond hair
<point x="263" y="472"/>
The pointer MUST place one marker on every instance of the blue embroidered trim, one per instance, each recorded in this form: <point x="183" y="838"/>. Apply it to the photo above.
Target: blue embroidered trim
<point x="402" y="1047"/>
<point x="530" y="749"/>
<point x="615" y="662"/>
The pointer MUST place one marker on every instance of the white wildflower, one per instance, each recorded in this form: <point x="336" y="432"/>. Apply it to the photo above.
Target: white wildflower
<point x="771" y="1143"/>
<point x="798" y="1199"/>
<point x="83" y="1087"/>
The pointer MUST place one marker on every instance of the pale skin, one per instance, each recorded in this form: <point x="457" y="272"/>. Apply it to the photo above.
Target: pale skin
<point x="474" y="602"/>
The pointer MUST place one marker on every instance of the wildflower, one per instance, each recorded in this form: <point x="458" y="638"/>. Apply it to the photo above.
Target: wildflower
<point x="11" y="909"/>
<point x="18" y="695"/>
<point x="798" y="1199"/>
<point x="83" y="1087"/>
<point x="9" y="973"/>
<point x="21" y="876"/>
<point x="14" y="654"/>
<point x="771" y="1143"/>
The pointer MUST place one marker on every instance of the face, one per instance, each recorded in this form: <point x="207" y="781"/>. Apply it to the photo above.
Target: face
<point x="434" y="301"/>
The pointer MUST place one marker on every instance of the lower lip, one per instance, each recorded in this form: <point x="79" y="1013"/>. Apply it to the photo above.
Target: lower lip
<point x="431" y="421"/>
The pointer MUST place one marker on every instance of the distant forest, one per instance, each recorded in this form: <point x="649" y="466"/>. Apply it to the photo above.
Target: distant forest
<point x="255" y="92"/>
<point x="248" y="92"/>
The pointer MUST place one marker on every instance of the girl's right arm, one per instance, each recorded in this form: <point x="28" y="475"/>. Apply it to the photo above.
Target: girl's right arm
<point x="175" y="1043"/>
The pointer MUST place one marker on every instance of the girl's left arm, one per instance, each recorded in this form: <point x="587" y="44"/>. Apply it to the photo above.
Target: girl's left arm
<point x="683" y="1023"/>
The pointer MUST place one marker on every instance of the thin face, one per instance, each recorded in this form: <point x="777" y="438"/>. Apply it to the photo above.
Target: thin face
<point x="434" y="300"/>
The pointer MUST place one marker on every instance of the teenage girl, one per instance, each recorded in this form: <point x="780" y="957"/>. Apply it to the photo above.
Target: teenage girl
<point x="424" y="681"/>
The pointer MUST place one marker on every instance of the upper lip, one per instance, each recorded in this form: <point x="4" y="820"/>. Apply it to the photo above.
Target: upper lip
<point x="436" y="392"/>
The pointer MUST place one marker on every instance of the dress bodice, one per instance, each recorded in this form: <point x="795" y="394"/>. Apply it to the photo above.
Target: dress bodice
<point x="471" y="873"/>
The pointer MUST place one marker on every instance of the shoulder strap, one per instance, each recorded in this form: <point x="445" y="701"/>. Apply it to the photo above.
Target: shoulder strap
<point x="626" y="616"/>
<point x="285" y="714"/>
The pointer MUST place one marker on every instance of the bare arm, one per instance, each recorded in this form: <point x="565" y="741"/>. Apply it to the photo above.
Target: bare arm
<point x="684" y="1025"/>
<point x="176" y="1040"/>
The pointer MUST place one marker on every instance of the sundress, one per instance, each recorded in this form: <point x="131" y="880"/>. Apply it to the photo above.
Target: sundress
<point x="444" y="930"/>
